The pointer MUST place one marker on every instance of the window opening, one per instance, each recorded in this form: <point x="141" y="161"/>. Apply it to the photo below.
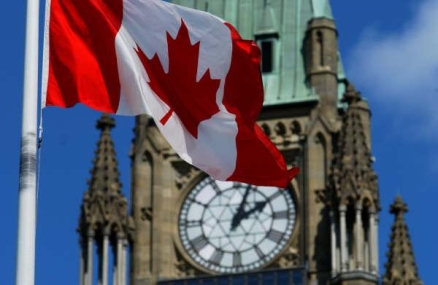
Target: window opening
<point x="267" y="48"/>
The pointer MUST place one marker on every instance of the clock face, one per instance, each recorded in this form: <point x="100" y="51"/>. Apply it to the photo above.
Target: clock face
<point x="233" y="227"/>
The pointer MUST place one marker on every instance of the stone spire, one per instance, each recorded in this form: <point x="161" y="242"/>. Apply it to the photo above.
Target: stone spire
<point x="353" y="175"/>
<point x="401" y="268"/>
<point x="354" y="197"/>
<point x="104" y="220"/>
<point x="104" y="207"/>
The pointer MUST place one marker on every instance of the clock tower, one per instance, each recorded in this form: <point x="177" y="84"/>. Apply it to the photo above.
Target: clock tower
<point x="188" y="225"/>
<point x="186" y="228"/>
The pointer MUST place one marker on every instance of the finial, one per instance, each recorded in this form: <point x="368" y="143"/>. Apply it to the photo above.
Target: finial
<point x="398" y="207"/>
<point x="401" y="267"/>
<point x="351" y="95"/>
<point x="106" y="122"/>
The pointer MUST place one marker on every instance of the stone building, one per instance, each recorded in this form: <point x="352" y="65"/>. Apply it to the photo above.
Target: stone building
<point x="182" y="227"/>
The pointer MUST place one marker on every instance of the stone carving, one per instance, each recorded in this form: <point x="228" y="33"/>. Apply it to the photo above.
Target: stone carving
<point x="322" y="196"/>
<point x="281" y="135"/>
<point x="184" y="173"/>
<point x="146" y="213"/>
<point x="290" y="258"/>
<point x="184" y="269"/>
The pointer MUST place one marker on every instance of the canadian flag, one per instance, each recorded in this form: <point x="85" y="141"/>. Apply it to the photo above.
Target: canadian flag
<point x="188" y="69"/>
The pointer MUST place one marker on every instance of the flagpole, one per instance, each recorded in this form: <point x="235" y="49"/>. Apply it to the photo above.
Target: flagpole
<point x="25" y="271"/>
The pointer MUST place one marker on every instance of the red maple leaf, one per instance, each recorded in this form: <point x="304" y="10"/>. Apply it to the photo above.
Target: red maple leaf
<point x="192" y="101"/>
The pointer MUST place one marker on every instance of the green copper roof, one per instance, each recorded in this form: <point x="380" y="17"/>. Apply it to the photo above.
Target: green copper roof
<point x="322" y="9"/>
<point x="285" y="23"/>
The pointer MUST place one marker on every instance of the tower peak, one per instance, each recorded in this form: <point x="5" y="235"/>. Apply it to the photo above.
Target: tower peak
<point x="106" y="122"/>
<point x="401" y="267"/>
<point x="104" y="208"/>
<point x="398" y="207"/>
<point x="105" y="173"/>
<point x="351" y="95"/>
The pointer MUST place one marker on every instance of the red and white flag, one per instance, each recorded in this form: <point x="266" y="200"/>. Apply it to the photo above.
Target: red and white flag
<point x="188" y="69"/>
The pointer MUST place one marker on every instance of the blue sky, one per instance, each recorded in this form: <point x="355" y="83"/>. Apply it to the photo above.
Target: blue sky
<point x="390" y="50"/>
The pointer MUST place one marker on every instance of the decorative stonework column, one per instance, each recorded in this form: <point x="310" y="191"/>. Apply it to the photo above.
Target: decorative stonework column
<point x="89" y="273"/>
<point x="343" y="229"/>
<point x="333" y="243"/>
<point x="120" y="261"/>
<point x="125" y="248"/>
<point x="366" y="261"/>
<point x="376" y="244"/>
<point x="104" y="268"/>
<point x="338" y="255"/>
<point x="359" y="237"/>
<point x="373" y="241"/>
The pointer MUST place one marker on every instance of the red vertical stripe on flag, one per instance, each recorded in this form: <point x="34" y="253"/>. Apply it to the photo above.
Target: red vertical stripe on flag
<point x="82" y="61"/>
<point x="258" y="160"/>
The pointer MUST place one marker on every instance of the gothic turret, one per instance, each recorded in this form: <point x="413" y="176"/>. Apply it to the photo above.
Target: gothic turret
<point x="104" y="218"/>
<point x="354" y="203"/>
<point x="353" y="175"/>
<point x="401" y="268"/>
<point x="321" y="59"/>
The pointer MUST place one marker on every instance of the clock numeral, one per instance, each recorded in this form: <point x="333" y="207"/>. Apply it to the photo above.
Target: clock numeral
<point x="236" y="185"/>
<point x="215" y="187"/>
<point x="275" y="195"/>
<point x="199" y="242"/>
<point x="259" y="252"/>
<point x="280" y="215"/>
<point x="191" y="224"/>
<point x="193" y="200"/>
<point x="275" y="235"/>
<point x="237" y="259"/>
<point x="217" y="257"/>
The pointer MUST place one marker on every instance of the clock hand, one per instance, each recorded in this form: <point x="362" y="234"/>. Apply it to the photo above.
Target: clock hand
<point x="240" y="211"/>
<point x="258" y="208"/>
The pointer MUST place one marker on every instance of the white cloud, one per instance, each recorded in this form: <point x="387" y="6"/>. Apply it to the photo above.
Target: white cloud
<point x="400" y="69"/>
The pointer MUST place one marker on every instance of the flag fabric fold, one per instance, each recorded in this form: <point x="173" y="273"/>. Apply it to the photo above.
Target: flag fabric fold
<point x="187" y="69"/>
